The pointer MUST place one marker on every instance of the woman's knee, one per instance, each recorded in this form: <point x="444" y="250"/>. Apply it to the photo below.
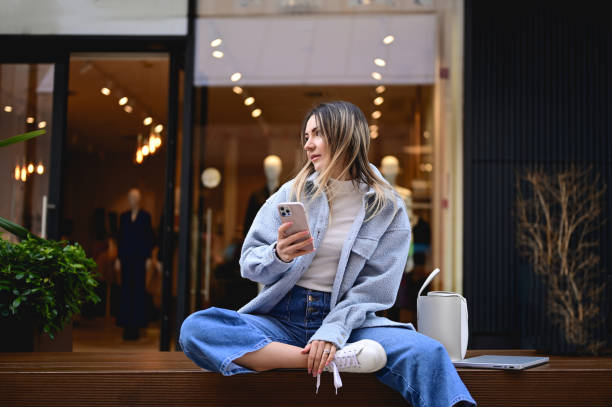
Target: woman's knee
<point x="195" y="326"/>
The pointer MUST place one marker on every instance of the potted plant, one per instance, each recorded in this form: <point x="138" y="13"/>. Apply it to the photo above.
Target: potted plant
<point x="43" y="283"/>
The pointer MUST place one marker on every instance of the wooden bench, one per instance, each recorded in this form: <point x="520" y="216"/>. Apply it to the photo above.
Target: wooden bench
<point x="169" y="378"/>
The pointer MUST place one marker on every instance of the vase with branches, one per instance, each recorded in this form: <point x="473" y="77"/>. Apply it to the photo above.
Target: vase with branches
<point x="558" y="216"/>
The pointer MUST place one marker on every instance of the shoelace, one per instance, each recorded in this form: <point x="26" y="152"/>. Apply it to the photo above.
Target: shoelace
<point x="347" y="359"/>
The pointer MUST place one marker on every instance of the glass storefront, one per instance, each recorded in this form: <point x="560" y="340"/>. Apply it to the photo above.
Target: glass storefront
<point x="243" y="127"/>
<point x="256" y="79"/>
<point x="259" y="66"/>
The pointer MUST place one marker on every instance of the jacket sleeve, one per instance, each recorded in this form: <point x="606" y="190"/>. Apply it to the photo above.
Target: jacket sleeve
<point x="258" y="261"/>
<point x="376" y="286"/>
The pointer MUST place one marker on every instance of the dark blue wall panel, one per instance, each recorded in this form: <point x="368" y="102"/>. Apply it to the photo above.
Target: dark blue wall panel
<point x="538" y="93"/>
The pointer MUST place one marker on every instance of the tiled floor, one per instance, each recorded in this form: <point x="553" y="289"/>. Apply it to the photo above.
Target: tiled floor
<point x="100" y="335"/>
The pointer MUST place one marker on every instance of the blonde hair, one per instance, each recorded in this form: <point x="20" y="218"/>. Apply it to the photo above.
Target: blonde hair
<point x="345" y="129"/>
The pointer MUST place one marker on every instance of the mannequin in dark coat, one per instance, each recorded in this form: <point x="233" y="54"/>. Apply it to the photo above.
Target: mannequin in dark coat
<point x="135" y="245"/>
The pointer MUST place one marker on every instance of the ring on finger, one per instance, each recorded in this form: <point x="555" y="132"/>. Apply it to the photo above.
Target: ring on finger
<point x="327" y="351"/>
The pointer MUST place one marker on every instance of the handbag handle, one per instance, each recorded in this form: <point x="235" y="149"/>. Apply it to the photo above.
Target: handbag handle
<point x="429" y="278"/>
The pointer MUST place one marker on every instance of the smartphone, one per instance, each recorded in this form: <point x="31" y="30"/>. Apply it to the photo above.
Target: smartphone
<point x="295" y="212"/>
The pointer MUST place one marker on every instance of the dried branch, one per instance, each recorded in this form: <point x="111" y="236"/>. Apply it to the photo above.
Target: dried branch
<point x="557" y="217"/>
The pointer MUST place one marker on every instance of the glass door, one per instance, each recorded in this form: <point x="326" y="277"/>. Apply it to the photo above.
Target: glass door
<point x="26" y="103"/>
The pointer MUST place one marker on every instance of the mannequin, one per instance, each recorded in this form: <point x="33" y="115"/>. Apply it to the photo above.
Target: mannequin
<point x="389" y="168"/>
<point x="135" y="245"/>
<point x="272" y="166"/>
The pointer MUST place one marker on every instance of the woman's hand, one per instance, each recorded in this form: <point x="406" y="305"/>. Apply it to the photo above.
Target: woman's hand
<point x="289" y="247"/>
<point x="320" y="353"/>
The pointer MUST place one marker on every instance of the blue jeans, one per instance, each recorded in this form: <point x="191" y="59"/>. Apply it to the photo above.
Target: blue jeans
<point x="417" y="366"/>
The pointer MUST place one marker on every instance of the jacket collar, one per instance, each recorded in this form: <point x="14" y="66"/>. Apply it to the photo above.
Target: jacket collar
<point x="370" y="191"/>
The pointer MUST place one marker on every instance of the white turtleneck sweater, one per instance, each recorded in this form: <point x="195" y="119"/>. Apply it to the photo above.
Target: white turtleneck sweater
<point x="346" y="201"/>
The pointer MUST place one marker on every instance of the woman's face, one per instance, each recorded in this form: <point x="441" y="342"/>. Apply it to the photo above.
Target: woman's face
<point x="316" y="146"/>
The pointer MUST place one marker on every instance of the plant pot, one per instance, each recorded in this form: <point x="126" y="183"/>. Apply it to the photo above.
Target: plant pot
<point x="20" y="336"/>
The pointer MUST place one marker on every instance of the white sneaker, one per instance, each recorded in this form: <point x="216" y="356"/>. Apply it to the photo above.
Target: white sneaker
<point x="364" y="356"/>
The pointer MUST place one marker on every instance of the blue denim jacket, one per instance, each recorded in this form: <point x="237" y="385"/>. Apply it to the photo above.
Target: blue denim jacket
<point x="369" y="272"/>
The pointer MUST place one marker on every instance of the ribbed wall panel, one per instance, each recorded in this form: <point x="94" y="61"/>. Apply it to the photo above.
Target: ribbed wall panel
<point x="538" y="92"/>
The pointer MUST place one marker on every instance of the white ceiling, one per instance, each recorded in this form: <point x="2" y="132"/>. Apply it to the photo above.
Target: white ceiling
<point x="315" y="50"/>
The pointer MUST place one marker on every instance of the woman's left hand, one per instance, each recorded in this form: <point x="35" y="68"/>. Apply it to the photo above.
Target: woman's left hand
<point x="320" y="353"/>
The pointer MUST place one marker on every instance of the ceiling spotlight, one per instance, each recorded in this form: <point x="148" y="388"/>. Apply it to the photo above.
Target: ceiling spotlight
<point x="24" y="174"/>
<point x="249" y="101"/>
<point x="216" y="42"/>
<point x="159" y="128"/>
<point x="373" y="127"/>
<point x="374" y="134"/>
<point x="105" y="91"/>
<point x="376" y="114"/>
<point x="376" y="75"/>
<point x="30" y="168"/>
<point x="152" y="144"/>
<point x="217" y="54"/>
<point x="128" y="109"/>
<point x="30" y="120"/>
<point x="139" y="156"/>
<point x="380" y="62"/>
<point x="379" y="101"/>
<point x="256" y="113"/>
<point x="123" y="101"/>
<point x="145" y="150"/>
<point x="236" y="77"/>
<point x="388" y="39"/>
<point x="40" y="169"/>
<point x="147" y="120"/>
<point x="8" y="109"/>
<point x="380" y="89"/>
<point x="17" y="173"/>
<point x="42" y="124"/>
<point x="237" y="90"/>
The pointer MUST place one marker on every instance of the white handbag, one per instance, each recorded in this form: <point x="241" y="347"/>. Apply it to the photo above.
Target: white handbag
<point x="443" y="316"/>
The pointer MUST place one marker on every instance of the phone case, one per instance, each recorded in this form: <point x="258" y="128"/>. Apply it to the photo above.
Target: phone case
<point x="295" y="212"/>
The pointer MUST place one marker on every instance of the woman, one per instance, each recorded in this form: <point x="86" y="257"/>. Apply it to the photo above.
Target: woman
<point x="317" y="309"/>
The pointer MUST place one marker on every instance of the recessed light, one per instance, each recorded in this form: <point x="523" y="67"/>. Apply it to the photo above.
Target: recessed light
<point x="379" y="101"/>
<point x="249" y="101"/>
<point x="237" y="90"/>
<point x="376" y="114"/>
<point x="217" y="54"/>
<point x="380" y="62"/>
<point x="216" y="42"/>
<point x="256" y="113"/>
<point x="376" y="75"/>
<point x="123" y="101"/>
<point x="388" y="39"/>
<point x="236" y="77"/>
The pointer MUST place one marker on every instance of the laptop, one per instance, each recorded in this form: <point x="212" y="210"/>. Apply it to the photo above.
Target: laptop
<point x="502" y="362"/>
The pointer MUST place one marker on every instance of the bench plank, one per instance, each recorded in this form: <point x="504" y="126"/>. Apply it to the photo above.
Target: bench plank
<point x="169" y="378"/>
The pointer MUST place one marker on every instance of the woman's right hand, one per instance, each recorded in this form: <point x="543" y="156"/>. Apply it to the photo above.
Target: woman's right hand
<point x="290" y="247"/>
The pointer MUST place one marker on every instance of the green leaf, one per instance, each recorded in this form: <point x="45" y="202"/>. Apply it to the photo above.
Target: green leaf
<point x="15" y="229"/>
<point x="19" y="276"/>
<point x="16" y="302"/>
<point x="21" y="137"/>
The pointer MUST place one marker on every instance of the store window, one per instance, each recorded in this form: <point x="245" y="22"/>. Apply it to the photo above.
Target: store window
<point x="253" y="92"/>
